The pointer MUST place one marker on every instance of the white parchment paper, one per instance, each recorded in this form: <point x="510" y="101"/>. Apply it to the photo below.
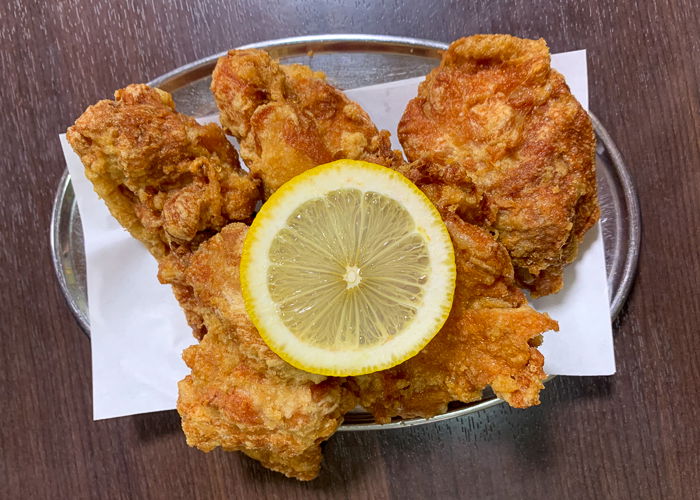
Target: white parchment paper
<point x="138" y="330"/>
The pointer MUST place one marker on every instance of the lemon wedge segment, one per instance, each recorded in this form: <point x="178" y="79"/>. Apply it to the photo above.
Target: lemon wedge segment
<point x="348" y="269"/>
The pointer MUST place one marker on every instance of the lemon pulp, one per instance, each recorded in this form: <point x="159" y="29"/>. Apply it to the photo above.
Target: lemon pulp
<point x="347" y="269"/>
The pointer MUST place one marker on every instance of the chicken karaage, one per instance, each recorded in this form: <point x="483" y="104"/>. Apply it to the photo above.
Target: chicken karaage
<point x="288" y="119"/>
<point x="168" y="180"/>
<point x="240" y="395"/>
<point x="496" y="107"/>
<point x="500" y="147"/>
<point x="489" y="339"/>
<point x="176" y="186"/>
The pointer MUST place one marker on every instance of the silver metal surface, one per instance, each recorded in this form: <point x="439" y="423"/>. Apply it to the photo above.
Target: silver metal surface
<point x="621" y="218"/>
<point x="353" y="61"/>
<point x="68" y="251"/>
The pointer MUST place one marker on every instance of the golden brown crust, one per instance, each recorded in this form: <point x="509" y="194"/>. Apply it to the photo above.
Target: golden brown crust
<point x="156" y="168"/>
<point x="451" y="190"/>
<point x="175" y="184"/>
<point x="496" y="107"/>
<point x="240" y="395"/>
<point x="167" y="179"/>
<point x="289" y="119"/>
<point x="488" y="339"/>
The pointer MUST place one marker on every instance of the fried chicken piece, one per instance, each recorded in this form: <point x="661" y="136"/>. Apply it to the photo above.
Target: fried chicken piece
<point x="288" y="119"/>
<point x="240" y="395"/>
<point x="496" y="107"/>
<point x="450" y="189"/>
<point x="490" y="338"/>
<point x="168" y="180"/>
<point x="175" y="184"/>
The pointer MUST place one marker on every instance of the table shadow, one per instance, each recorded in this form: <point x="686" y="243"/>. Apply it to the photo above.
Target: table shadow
<point x="151" y="426"/>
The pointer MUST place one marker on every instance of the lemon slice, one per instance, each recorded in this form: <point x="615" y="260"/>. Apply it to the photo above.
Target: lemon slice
<point x="348" y="269"/>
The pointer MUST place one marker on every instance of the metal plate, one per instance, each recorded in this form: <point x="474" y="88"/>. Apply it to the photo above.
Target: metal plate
<point x="353" y="61"/>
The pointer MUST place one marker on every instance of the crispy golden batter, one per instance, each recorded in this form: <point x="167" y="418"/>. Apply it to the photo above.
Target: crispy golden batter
<point x="263" y="101"/>
<point x="176" y="186"/>
<point x="450" y="189"/>
<point x="289" y="119"/>
<point x="168" y="180"/>
<point x="491" y="335"/>
<point x="496" y="107"/>
<point x="240" y="395"/>
<point x="490" y="338"/>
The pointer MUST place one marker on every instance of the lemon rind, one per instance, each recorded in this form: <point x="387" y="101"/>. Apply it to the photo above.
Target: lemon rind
<point x="274" y="214"/>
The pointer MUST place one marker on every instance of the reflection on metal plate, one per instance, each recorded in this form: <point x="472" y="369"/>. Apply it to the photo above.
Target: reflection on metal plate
<point x="352" y="61"/>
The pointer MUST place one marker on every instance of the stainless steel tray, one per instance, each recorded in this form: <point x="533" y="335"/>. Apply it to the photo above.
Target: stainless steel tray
<point x="353" y="61"/>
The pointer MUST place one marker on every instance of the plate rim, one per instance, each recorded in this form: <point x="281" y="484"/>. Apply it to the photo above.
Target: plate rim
<point x="331" y="43"/>
<point x="317" y="43"/>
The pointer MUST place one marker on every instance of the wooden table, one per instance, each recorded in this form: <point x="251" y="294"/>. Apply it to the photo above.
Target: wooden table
<point x="634" y="435"/>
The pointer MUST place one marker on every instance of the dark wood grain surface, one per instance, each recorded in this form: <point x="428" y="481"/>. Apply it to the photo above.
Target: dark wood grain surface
<point x="633" y="435"/>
